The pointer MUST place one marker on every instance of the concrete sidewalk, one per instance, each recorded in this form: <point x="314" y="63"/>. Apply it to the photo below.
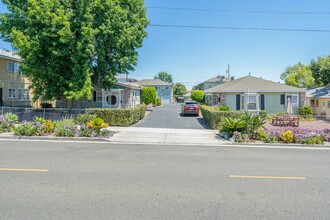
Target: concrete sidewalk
<point x="142" y="135"/>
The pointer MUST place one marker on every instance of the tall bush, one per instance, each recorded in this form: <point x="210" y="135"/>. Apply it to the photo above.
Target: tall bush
<point x="149" y="95"/>
<point x="305" y="111"/>
<point x="197" y="95"/>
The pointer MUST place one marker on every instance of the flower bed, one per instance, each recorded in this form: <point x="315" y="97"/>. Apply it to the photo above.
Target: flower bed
<point x="86" y="125"/>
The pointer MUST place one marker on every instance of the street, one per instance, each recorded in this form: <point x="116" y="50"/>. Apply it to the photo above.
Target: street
<point x="79" y="180"/>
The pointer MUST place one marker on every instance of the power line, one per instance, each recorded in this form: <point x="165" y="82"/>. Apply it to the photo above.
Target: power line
<point x="240" y="28"/>
<point x="240" y="11"/>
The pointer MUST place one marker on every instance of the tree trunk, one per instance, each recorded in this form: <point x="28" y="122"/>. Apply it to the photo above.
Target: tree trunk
<point x="63" y="102"/>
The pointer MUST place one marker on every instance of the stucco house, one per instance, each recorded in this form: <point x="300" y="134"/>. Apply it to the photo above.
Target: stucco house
<point x="319" y="100"/>
<point x="164" y="89"/>
<point x="254" y="94"/>
<point x="214" y="81"/>
<point x="124" y="94"/>
<point x="14" y="85"/>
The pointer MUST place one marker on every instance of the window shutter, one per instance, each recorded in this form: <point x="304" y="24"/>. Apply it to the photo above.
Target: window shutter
<point x="282" y="99"/>
<point x="262" y="102"/>
<point x="238" y="102"/>
<point x="94" y="96"/>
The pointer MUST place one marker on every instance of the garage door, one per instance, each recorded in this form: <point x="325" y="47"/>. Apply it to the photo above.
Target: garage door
<point x="166" y="99"/>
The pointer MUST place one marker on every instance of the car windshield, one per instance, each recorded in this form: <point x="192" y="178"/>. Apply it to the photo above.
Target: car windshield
<point x="191" y="103"/>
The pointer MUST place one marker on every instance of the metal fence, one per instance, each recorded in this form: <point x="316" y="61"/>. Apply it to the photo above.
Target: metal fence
<point x="27" y="114"/>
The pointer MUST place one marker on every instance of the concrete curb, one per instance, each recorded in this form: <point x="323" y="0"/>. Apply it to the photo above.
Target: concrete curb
<point x="53" y="138"/>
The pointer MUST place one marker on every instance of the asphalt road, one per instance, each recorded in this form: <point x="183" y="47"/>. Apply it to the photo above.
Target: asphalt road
<point x="106" y="181"/>
<point x="168" y="116"/>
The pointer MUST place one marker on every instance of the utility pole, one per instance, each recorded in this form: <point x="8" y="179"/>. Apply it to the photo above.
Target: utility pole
<point x="228" y="72"/>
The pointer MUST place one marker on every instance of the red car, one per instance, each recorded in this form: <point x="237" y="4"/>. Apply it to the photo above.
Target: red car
<point x="190" y="108"/>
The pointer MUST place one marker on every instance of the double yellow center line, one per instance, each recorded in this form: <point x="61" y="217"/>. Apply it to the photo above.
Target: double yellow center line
<point x="23" y="170"/>
<point x="269" y="177"/>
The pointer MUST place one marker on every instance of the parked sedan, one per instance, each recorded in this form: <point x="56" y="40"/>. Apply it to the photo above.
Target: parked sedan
<point x="190" y="108"/>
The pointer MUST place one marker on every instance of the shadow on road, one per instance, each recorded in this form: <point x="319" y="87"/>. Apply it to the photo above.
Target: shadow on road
<point x="202" y="122"/>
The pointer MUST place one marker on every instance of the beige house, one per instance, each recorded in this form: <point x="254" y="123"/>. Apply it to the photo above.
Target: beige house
<point x="319" y="100"/>
<point x="14" y="90"/>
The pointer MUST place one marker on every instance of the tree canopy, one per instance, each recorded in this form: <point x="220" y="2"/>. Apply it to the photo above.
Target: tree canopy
<point x="298" y="75"/>
<point x="164" y="76"/>
<point x="69" y="45"/>
<point x="321" y="70"/>
<point x="179" y="89"/>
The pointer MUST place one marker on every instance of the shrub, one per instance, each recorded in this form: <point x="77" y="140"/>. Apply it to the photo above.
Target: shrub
<point x="148" y="95"/>
<point x="120" y="117"/>
<point x="313" y="140"/>
<point x="39" y="119"/>
<point x="6" y="125"/>
<point x="28" y="129"/>
<point x="197" y="95"/>
<point x="86" y="131"/>
<point x="305" y="111"/>
<point x="97" y="124"/>
<point x="224" y="108"/>
<point x="263" y="114"/>
<point x="158" y="102"/>
<point x="231" y="125"/>
<point x="287" y="136"/>
<point x="48" y="127"/>
<point x="84" y="118"/>
<point x="261" y="135"/>
<point x="214" y="117"/>
<point x="11" y="117"/>
<point x="253" y="123"/>
<point x="65" y="128"/>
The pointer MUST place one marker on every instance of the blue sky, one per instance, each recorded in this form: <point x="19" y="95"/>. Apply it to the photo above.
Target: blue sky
<point x="195" y="55"/>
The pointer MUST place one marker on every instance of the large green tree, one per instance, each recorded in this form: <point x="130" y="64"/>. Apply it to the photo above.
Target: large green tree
<point x="164" y="76"/>
<point x="179" y="89"/>
<point x="298" y="75"/>
<point x="69" y="45"/>
<point x="321" y="71"/>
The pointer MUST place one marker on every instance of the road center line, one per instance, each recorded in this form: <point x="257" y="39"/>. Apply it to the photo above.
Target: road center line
<point x="23" y="170"/>
<point x="269" y="177"/>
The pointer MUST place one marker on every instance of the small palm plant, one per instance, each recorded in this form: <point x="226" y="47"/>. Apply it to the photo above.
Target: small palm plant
<point x="97" y="124"/>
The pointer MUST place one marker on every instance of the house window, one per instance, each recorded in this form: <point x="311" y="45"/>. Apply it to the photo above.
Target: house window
<point x="11" y="67"/>
<point x="252" y="102"/>
<point x="249" y="102"/>
<point x="293" y="98"/>
<point x="99" y="96"/>
<point x="328" y="104"/>
<point x="312" y="102"/>
<point x="16" y="68"/>
<point x="23" y="95"/>
<point x="11" y="93"/>
<point x="166" y="88"/>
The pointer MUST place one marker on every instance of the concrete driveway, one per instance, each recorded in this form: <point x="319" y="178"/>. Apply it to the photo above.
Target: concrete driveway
<point x="168" y="116"/>
<point x="165" y="125"/>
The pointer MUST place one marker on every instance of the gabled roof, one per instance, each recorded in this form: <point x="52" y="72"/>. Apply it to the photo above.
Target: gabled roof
<point x="153" y="82"/>
<point x="252" y="84"/>
<point x="9" y="55"/>
<point x="214" y="79"/>
<point x="129" y="85"/>
<point x="321" y="92"/>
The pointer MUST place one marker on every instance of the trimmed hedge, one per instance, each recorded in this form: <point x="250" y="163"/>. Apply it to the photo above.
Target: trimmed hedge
<point x="119" y="117"/>
<point x="214" y="117"/>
